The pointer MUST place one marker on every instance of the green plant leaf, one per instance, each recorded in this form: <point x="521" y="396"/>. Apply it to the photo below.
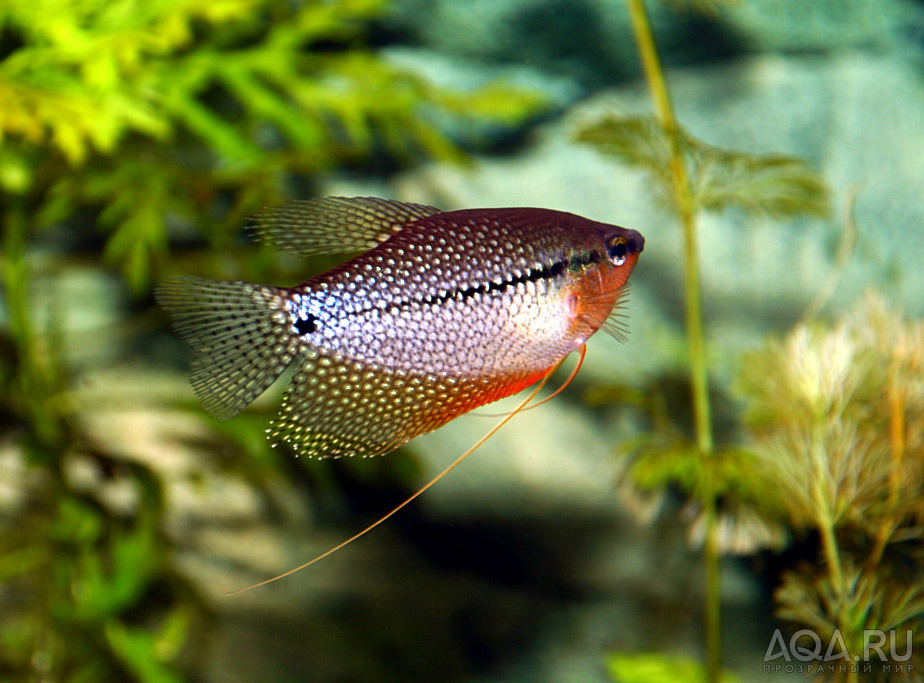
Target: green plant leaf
<point x="777" y="185"/>
<point x="138" y="215"/>
<point x="76" y="522"/>
<point x="104" y="585"/>
<point x="137" y="650"/>
<point x="16" y="173"/>
<point x="659" y="668"/>
<point x="634" y="140"/>
<point x="494" y="102"/>
<point x="22" y="560"/>
<point x="780" y="186"/>
<point x="659" y="461"/>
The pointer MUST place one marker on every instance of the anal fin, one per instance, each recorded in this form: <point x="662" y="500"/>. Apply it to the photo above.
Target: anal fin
<point x="336" y="407"/>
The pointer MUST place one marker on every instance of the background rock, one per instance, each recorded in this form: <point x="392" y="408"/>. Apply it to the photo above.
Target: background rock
<point x="853" y="117"/>
<point x="590" y="41"/>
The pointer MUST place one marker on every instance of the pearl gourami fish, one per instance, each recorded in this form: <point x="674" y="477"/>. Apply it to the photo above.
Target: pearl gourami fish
<point x="443" y="312"/>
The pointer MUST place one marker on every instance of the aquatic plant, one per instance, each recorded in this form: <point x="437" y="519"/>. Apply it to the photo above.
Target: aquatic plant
<point x="648" y="668"/>
<point x="126" y="125"/>
<point x="151" y="113"/>
<point x="828" y="444"/>
<point x="692" y="176"/>
<point x="832" y="415"/>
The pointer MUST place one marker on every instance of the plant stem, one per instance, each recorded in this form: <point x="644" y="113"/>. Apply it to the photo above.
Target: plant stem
<point x="654" y="75"/>
<point x="34" y="374"/>
<point x="835" y="569"/>
<point x="833" y="557"/>
<point x="896" y="468"/>
<point x="824" y="498"/>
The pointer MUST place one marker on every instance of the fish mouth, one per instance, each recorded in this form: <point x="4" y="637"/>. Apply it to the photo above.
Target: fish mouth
<point x="635" y="242"/>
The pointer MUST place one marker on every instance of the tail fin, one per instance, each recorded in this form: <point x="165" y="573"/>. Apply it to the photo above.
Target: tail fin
<point x="240" y="333"/>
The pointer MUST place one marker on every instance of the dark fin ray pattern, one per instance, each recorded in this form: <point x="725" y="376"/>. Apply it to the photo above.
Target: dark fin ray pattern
<point x="334" y="225"/>
<point x="240" y="334"/>
<point x="337" y="407"/>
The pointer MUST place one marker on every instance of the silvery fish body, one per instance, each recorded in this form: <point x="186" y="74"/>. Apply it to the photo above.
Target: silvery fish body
<point x="445" y="312"/>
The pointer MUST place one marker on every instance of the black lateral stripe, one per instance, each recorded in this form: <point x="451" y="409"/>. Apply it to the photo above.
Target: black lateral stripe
<point x="545" y="273"/>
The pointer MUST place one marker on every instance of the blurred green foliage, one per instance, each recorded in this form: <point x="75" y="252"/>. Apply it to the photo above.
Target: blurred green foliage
<point x="126" y="126"/>
<point x="152" y="113"/>
<point x="657" y="668"/>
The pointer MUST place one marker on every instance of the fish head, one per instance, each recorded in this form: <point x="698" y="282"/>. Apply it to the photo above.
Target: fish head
<point x="595" y="291"/>
<point x="610" y="253"/>
<point x="622" y="247"/>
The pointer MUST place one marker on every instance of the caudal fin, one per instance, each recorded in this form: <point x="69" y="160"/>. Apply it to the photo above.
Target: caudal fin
<point x="240" y="333"/>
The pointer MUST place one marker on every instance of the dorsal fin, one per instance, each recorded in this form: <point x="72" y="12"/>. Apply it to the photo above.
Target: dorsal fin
<point x="334" y="225"/>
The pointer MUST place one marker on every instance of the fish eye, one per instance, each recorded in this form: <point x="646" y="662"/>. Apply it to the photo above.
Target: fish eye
<point x="617" y="249"/>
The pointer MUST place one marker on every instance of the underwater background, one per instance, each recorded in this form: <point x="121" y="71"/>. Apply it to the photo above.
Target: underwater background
<point x="693" y="491"/>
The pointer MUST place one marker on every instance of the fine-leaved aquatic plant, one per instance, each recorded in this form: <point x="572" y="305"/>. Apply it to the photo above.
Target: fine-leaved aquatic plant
<point x="692" y="176"/>
<point x="125" y="124"/>
<point x="152" y="112"/>
<point x="833" y="419"/>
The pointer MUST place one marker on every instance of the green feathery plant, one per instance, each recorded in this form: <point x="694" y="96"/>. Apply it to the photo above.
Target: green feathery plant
<point x="692" y="177"/>
<point x="123" y="124"/>
<point x="832" y="419"/>
<point x="152" y="113"/>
